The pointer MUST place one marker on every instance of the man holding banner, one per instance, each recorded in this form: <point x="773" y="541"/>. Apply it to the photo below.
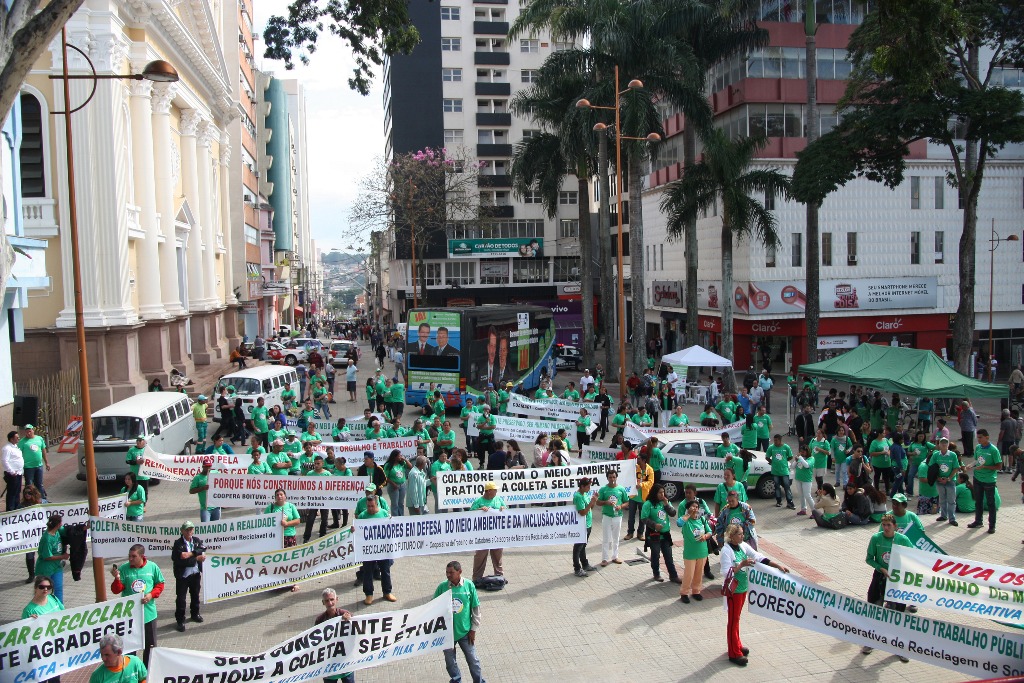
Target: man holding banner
<point x="139" y="575"/>
<point x="879" y="551"/>
<point x="371" y="567"/>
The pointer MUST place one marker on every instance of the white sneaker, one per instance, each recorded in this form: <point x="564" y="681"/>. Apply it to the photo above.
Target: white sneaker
<point x="866" y="650"/>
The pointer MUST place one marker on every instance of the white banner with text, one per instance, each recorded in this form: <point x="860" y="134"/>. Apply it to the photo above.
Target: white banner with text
<point x="534" y="485"/>
<point x="21" y="529"/>
<point x="257" y="491"/>
<point x="114" y="537"/>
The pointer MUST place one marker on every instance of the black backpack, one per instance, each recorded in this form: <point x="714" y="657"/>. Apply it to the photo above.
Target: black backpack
<point x="490" y="583"/>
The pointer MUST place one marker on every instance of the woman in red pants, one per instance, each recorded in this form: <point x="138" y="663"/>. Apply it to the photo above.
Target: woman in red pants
<point x="736" y="557"/>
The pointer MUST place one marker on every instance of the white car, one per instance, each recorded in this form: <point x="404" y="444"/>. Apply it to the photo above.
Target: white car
<point x="701" y="445"/>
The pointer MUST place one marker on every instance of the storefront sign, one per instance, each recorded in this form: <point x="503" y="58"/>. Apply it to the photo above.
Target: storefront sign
<point x="668" y="294"/>
<point x="521" y="247"/>
<point x="709" y="295"/>
<point x="708" y="324"/>
<point x="494" y="269"/>
<point x="842" y="341"/>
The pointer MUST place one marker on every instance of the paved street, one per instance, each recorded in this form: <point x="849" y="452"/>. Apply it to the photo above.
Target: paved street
<point x="615" y="625"/>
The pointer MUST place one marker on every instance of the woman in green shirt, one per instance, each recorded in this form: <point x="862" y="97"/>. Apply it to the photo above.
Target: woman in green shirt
<point x="613" y="500"/>
<point x="583" y="429"/>
<point x="51" y="556"/>
<point x="879" y="551"/>
<point x="44" y="601"/>
<point x="696" y="533"/>
<point x="397" y="471"/>
<point x="820" y="449"/>
<point x="842" y="446"/>
<point x="918" y="451"/>
<point x="290" y="518"/>
<point x="804" y="475"/>
<point x="136" y="498"/>
<point x="709" y="418"/>
<point x="655" y="515"/>
<point x="679" y="418"/>
<point x="748" y="433"/>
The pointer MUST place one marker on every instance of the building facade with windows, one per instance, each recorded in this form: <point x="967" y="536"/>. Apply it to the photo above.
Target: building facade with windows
<point x="889" y="272"/>
<point x="454" y="91"/>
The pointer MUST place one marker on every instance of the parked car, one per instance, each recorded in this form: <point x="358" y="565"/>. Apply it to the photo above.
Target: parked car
<point x="294" y="352"/>
<point x="698" y="445"/>
<point x="275" y="352"/>
<point x="339" y="350"/>
<point x="568" y="357"/>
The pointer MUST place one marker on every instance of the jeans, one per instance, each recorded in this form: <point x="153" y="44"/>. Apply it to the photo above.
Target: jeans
<point x="662" y="545"/>
<point x="469" y="651"/>
<point x="209" y="515"/>
<point x="947" y="500"/>
<point x="397" y="496"/>
<point x="611" y="528"/>
<point x="853" y="518"/>
<point x="13" y="482"/>
<point x="782" y="483"/>
<point x="384" y="567"/>
<point x="634" y="511"/>
<point x="804" y="493"/>
<point x="842" y="473"/>
<point x="909" y="477"/>
<point x="188" y="586"/>
<point x="762" y="444"/>
<point x="981" y="492"/>
<point x="579" y="553"/>
<point x="884" y="474"/>
<point x="58" y="584"/>
<point x="34" y="476"/>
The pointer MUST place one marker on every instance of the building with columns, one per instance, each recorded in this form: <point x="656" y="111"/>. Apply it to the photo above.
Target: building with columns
<point x="155" y="203"/>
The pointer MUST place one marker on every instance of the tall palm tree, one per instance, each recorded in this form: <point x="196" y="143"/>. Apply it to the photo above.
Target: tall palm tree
<point x="725" y="171"/>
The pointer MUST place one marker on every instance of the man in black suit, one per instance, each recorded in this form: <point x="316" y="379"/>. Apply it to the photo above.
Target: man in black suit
<point x="502" y="373"/>
<point x="421" y="347"/>
<point x="491" y="367"/>
<point x="443" y="347"/>
<point x="187" y="555"/>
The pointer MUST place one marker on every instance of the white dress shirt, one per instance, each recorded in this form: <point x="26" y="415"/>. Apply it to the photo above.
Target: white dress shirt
<point x="14" y="462"/>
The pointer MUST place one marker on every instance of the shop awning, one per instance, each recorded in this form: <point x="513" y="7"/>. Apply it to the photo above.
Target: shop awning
<point x="916" y="372"/>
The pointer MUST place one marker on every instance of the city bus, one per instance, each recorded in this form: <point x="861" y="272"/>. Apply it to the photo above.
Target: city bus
<point x="462" y="350"/>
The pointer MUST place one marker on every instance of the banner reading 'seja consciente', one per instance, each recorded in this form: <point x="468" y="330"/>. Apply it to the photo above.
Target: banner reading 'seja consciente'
<point x="228" y="576"/>
<point x="114" y="537"/>
<point x="954" y="584"/>
<point x="535" y="485"/>
<point x="182" y="468"/>
<point x="257" y="491"/>
<point x="21" y="529"/>
<point x="333" y="648"/>
<point x="57" y="643"/>
<point x="524" y="430"/>
<point x="635" y="434"/>
<point x="796" y="601"/>
<point x="456" y="532"/>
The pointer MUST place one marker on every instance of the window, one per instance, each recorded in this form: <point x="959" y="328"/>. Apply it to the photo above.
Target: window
<point x="567" y="269"/>
<point x="494" y="271"/>
<point x="452" y="106"/>
<point x="568" y="228"/>
<point x="532" y="197"/>
<point x="451" y="44"/>
<point x="493" y="167"/>
<point x="529" y="270"/>
<point x="495" y="229"/>
<point x="769" y="199"/>
<point x="826" y="249"/>
<point x="661" y="252"/>
<point x="769" y="256"/>
<point x="647" y="257"/>
<point x="451" y="75"/>
<point x="487" y="136"/>
<point x="490" y="76"/>
<point x="459" y="272"/>
<point x="252" y="235"/>
<point x="529" y="45"/>
<point x="561" y="45"/>
<point x="851" y="248"/>
<point x="940" y="246"/>
<point x="568" y="198"/>
<point x="529" y="75"/>
<point x="33" y="178"/>
<point x="453" y="136"/>
<point x="451" y="13"/>
<point x="798" y="249"/>
<point x="915" y="192"/>
<point x="530" y="133"/>
<point x="433" y="274"/>
<point x="491" y="45"/>
<point x="940" y="192"/>
<point x="915" y="248"/>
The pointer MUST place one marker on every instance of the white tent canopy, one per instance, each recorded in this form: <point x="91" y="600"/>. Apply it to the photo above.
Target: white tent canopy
<point x="697" y="357"/>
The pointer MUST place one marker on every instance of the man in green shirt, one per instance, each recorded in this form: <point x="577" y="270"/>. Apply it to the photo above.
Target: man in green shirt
<point x="287" y="397"/>
<point x="763" y="425"/>
<point x="259" y="466"/>
<point x="259" y="416"/>
<point x="655" y="458"/>
<point x="465" y="621"/>
<point x="987" y="463"/>
<point x="727" y="409"/>
<point x="50" y="555"/>
<point x="879" y="552"/>
<point x="397" y="399"/>
<point x="613" y="499"/>
<point x="135" y="458"/>
<point x="584" y="503"/>
<point x="117" y="666"/>
<point x="780" y="455"/>
<point x="503" y="398"/>
<point x="489" y="501"/>
<point x="200" y="485"/>
<point x="139" y="575"/>
<point x="375" y="567"/>
<point x="486" y="424"/>
<point x="279" y="461"/>
<point x="570" y="393"/>
<point x="730" y="452"/>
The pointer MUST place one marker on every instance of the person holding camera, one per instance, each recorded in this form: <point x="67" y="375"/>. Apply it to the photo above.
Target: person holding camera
<point x="655" y="515"/>
<point x="187" y="555"/>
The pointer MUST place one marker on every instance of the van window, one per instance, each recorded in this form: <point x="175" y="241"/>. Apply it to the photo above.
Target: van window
<point x="116" y="428"/>
<point x="152" y="424"/>
<point x="166" y="418"/>
<point x="711" y="449"/>
<point x="293" y="377"/>
<point x="266" y="386"/>
<point x="246" y="385"/>
<point x="276" y="383"/>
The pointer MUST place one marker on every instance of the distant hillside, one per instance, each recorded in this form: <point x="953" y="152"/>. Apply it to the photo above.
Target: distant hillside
<point x="343" y="259"/>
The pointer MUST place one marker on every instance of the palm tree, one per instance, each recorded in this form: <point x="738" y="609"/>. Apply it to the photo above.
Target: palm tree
<point x="725" y="172"/>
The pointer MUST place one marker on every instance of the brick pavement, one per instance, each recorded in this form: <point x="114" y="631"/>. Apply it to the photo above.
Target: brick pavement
<point x="616" y="624"/>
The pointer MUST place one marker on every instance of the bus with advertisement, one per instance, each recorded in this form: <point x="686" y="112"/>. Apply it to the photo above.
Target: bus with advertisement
<point x="462" y="350"/>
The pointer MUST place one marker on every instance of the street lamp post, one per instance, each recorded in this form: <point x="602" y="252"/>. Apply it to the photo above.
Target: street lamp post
<point x="158" y="71"/>
<point x="652" y="137"/>
<point x="994" y="242"/>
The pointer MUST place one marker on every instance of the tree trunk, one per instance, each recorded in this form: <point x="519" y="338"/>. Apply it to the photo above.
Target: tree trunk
<point x="812" y="313"/>
<point x="727" y="299"/>
<point x="611" y="358"/>
<point x="636" y="265"/>
<point x="586" y="271"/>
<point x="690" y="236"/>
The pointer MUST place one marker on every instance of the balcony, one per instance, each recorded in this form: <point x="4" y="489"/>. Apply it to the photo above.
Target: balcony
<point x="39" y="217"/>
<point x="494" y="181"/>
<point x="493" y="119"/>
<point x="499" y="89"/>
<point x="491" y="58"/>
<point x="494" y="150"/>
<point x="490" y="28"/>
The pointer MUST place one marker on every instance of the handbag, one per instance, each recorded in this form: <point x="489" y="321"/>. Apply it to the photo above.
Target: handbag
<point x="729" y="583"/>
<point x="713" y="547"/>
<point x="933" y="473"/>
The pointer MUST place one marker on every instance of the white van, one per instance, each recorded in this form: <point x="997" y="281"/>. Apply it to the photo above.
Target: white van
<point x="267" y="381"/>
<point x="164" y="417"/>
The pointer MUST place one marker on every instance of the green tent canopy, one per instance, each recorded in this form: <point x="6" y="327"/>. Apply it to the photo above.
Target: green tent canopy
<point x="913" y="372"/>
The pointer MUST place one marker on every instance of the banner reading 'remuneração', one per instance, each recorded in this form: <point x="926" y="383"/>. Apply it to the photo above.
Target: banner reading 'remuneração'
<point x="57" y="643"/>
<point x="535" y="485"/>
<point x="332" y="648"/>
<point x="257" y="491"/>
<point x="258" y="533"/>
<point x="21" y="529"/>
<point x="796" y="601"/>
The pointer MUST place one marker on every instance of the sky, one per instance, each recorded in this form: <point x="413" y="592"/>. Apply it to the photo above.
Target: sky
<point x="345" y="130"/>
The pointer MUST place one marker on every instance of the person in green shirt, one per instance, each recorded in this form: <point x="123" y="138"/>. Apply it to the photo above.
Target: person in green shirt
<point x="437" y="405"/>
<point x="117" y="666"/>
<point x="135" y="458"/>
<point x="199" y="415"/>
<point x="311" y="435"/>
<point x="748" y="433"/>
<point x="446" y="437"/>
<point x="613" y="499"/>
<point x="820" y="448"/>
<point x="949" y="465"/>
<point x="643" y="419"/>
<point x="584" y="503"/>
<point x="696" y="533"/>
<point x="200" y="485"/>
<point x="928" y="495"/>
<point x="50" y="556"/>
<point x="258" y="466"/>
<point x="583" y="423"/>
<point x="879" y="552"/>
<point x="763" y="425"/>
<point x="917" y="452"/>
<point x="504" y="392"/>
<point x="487" y="502"/>
<point x="280" y="462"/>
<point x="679" y="418"/>
<point x="287" y="397"/>
<point x="439" y="465"/>
<point x="881" y="461"/>
<point x="43" y="601"/>
<point x="708" y="417"/>
<point x="729" y="452"/>
<point x="397" y="470"/>
<point x="619" y="420"/>
<point x="396" y="398"/>
<point x="277" y="431"/>
<point x="987" y="463"/>
<point x="904" y="518"/>
<point x="260" y="424"/>
<point x="139" y="575"/>
<point x="136" y="498"/>
<point x="656" y="514"/>
<point x="804" y="475"/>
<point x="841" y="446"/>
<point x="317" y="470"/>
<point x="372" y="492"/>
<point x="465" y="621"/>
<point x="570" y="393"/>
<point x="731" y="483"/>
<point x="727" y="409"/>
<point x="655" y="458"/>
<point x="486" y="424"/>
<point x="371" y="393"/>
<point x="341" y="430"/>
<point x="33" y="452"/>
<point x="780" y="455"/>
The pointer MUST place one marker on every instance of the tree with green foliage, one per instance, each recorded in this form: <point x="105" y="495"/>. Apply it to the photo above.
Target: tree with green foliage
<point x="918" y="75"/>
<point x="725" y="174"/>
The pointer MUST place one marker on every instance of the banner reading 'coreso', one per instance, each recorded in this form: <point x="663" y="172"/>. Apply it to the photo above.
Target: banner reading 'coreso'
<point x="257" y="491"/>
<point x="535" y="485"/>
<point x="964" y="586"/>
<point x="456" y="532"/>
<point x="114" y="537"/>
<point x="333" y="648"/>
<point x="796" y="601"/>
<point x="21" y="529"/>
<point x="57" y="643"/>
